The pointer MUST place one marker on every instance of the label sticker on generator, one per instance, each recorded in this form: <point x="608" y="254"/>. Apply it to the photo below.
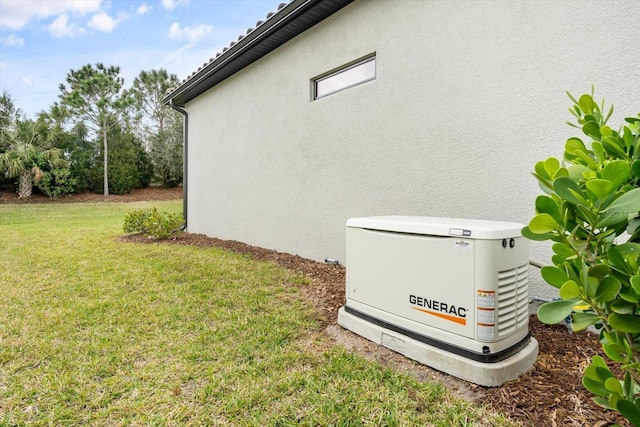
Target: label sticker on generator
<point x="464" y="245"/>
<point x="459" y="232"/>
<point x="486" y="315"/>
<point x="486" y="333"/>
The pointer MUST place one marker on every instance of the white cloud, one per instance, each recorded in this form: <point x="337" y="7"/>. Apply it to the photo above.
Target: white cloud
<point x="16" y="14"/>
<point x="172" y="4"/>
<point x="26" y="81"/>
<point x="103" y="22"/>
<point x="189" y="33"/>
<point x="143" y="9"/>
<point x="12" y="41"/>
<point x="61" y="27"/>
<point x="175" y="57"/>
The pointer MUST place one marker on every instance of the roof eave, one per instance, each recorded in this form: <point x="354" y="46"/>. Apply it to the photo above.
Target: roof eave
<point x="291" y="20"/>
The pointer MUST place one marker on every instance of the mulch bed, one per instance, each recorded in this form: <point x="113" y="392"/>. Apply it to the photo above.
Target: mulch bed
<point x="137" y="195"/>
<point x="550" y="394"/>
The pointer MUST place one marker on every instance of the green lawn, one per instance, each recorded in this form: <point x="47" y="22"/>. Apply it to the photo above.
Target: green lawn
<point x="96" y="331"/>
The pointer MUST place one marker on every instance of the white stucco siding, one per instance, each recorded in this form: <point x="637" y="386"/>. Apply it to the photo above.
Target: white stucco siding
<point x="468" y="96"/>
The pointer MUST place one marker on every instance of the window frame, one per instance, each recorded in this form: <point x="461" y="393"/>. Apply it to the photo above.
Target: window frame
<point x="340" y="70"/>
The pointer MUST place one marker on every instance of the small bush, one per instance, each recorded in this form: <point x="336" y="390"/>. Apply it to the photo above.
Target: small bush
<point x="151" y="223"/>
<point x="56" y="183"/>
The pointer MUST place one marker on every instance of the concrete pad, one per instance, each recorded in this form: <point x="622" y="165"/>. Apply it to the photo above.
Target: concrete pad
<point x="484" y="374"/>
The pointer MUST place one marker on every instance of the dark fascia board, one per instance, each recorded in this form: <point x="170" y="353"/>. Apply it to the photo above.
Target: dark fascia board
<point x="293" y="19"/>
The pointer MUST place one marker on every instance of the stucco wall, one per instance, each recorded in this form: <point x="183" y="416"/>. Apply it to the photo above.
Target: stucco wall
<point x="468" y="96"/>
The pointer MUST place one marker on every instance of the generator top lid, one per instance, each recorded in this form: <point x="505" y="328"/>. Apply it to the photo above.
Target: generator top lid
<point x="434" y="226"/>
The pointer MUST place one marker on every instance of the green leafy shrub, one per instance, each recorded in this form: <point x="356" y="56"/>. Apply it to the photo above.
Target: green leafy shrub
<point x="591" y="213"/>
<point x="151" y="223"/>
<point x="56" y="182"/>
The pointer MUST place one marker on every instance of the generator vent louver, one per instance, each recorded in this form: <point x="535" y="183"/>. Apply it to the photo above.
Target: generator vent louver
<point x="513" y="299"/>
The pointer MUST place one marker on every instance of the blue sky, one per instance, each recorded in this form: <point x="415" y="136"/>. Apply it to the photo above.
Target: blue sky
<point x="41" y="40"/>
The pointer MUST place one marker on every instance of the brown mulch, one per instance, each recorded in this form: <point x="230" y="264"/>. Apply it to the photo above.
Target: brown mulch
<point x="550" y="394"/>
<point x="138" y="195"/>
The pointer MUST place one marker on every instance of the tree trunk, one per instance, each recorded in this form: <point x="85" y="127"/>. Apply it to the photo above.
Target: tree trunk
<point x="25" y="184"/>
<point x="106" y="159"/>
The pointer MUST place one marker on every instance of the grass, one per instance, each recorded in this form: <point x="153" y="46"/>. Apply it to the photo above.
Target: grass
<point x="96" y="331"/>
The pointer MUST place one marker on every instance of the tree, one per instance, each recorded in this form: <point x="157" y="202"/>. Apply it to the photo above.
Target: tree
<point x="29" y="144"/>
<point x="158" y="125"/>
<point x="57" y="181"/>
<point x="96" y="97"/>
<point x="8" y="113"/>
<point x="8" y="116"/>
<point x="56" y="117"/>
<point x="148" y="90"/>
<point x="81" y="153"/>
<point x="166" y="155"/>
<point x="129" y="164"/>
<point x="83" y="156"/>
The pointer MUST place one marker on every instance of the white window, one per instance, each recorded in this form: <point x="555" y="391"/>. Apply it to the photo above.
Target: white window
<point x="345" y="77"/>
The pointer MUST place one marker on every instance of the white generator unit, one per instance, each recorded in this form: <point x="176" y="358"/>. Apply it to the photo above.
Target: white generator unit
<point x="450" y="293"/>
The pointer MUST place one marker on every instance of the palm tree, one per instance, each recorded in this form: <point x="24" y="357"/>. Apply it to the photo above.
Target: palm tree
<point x="29" y="144"/>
